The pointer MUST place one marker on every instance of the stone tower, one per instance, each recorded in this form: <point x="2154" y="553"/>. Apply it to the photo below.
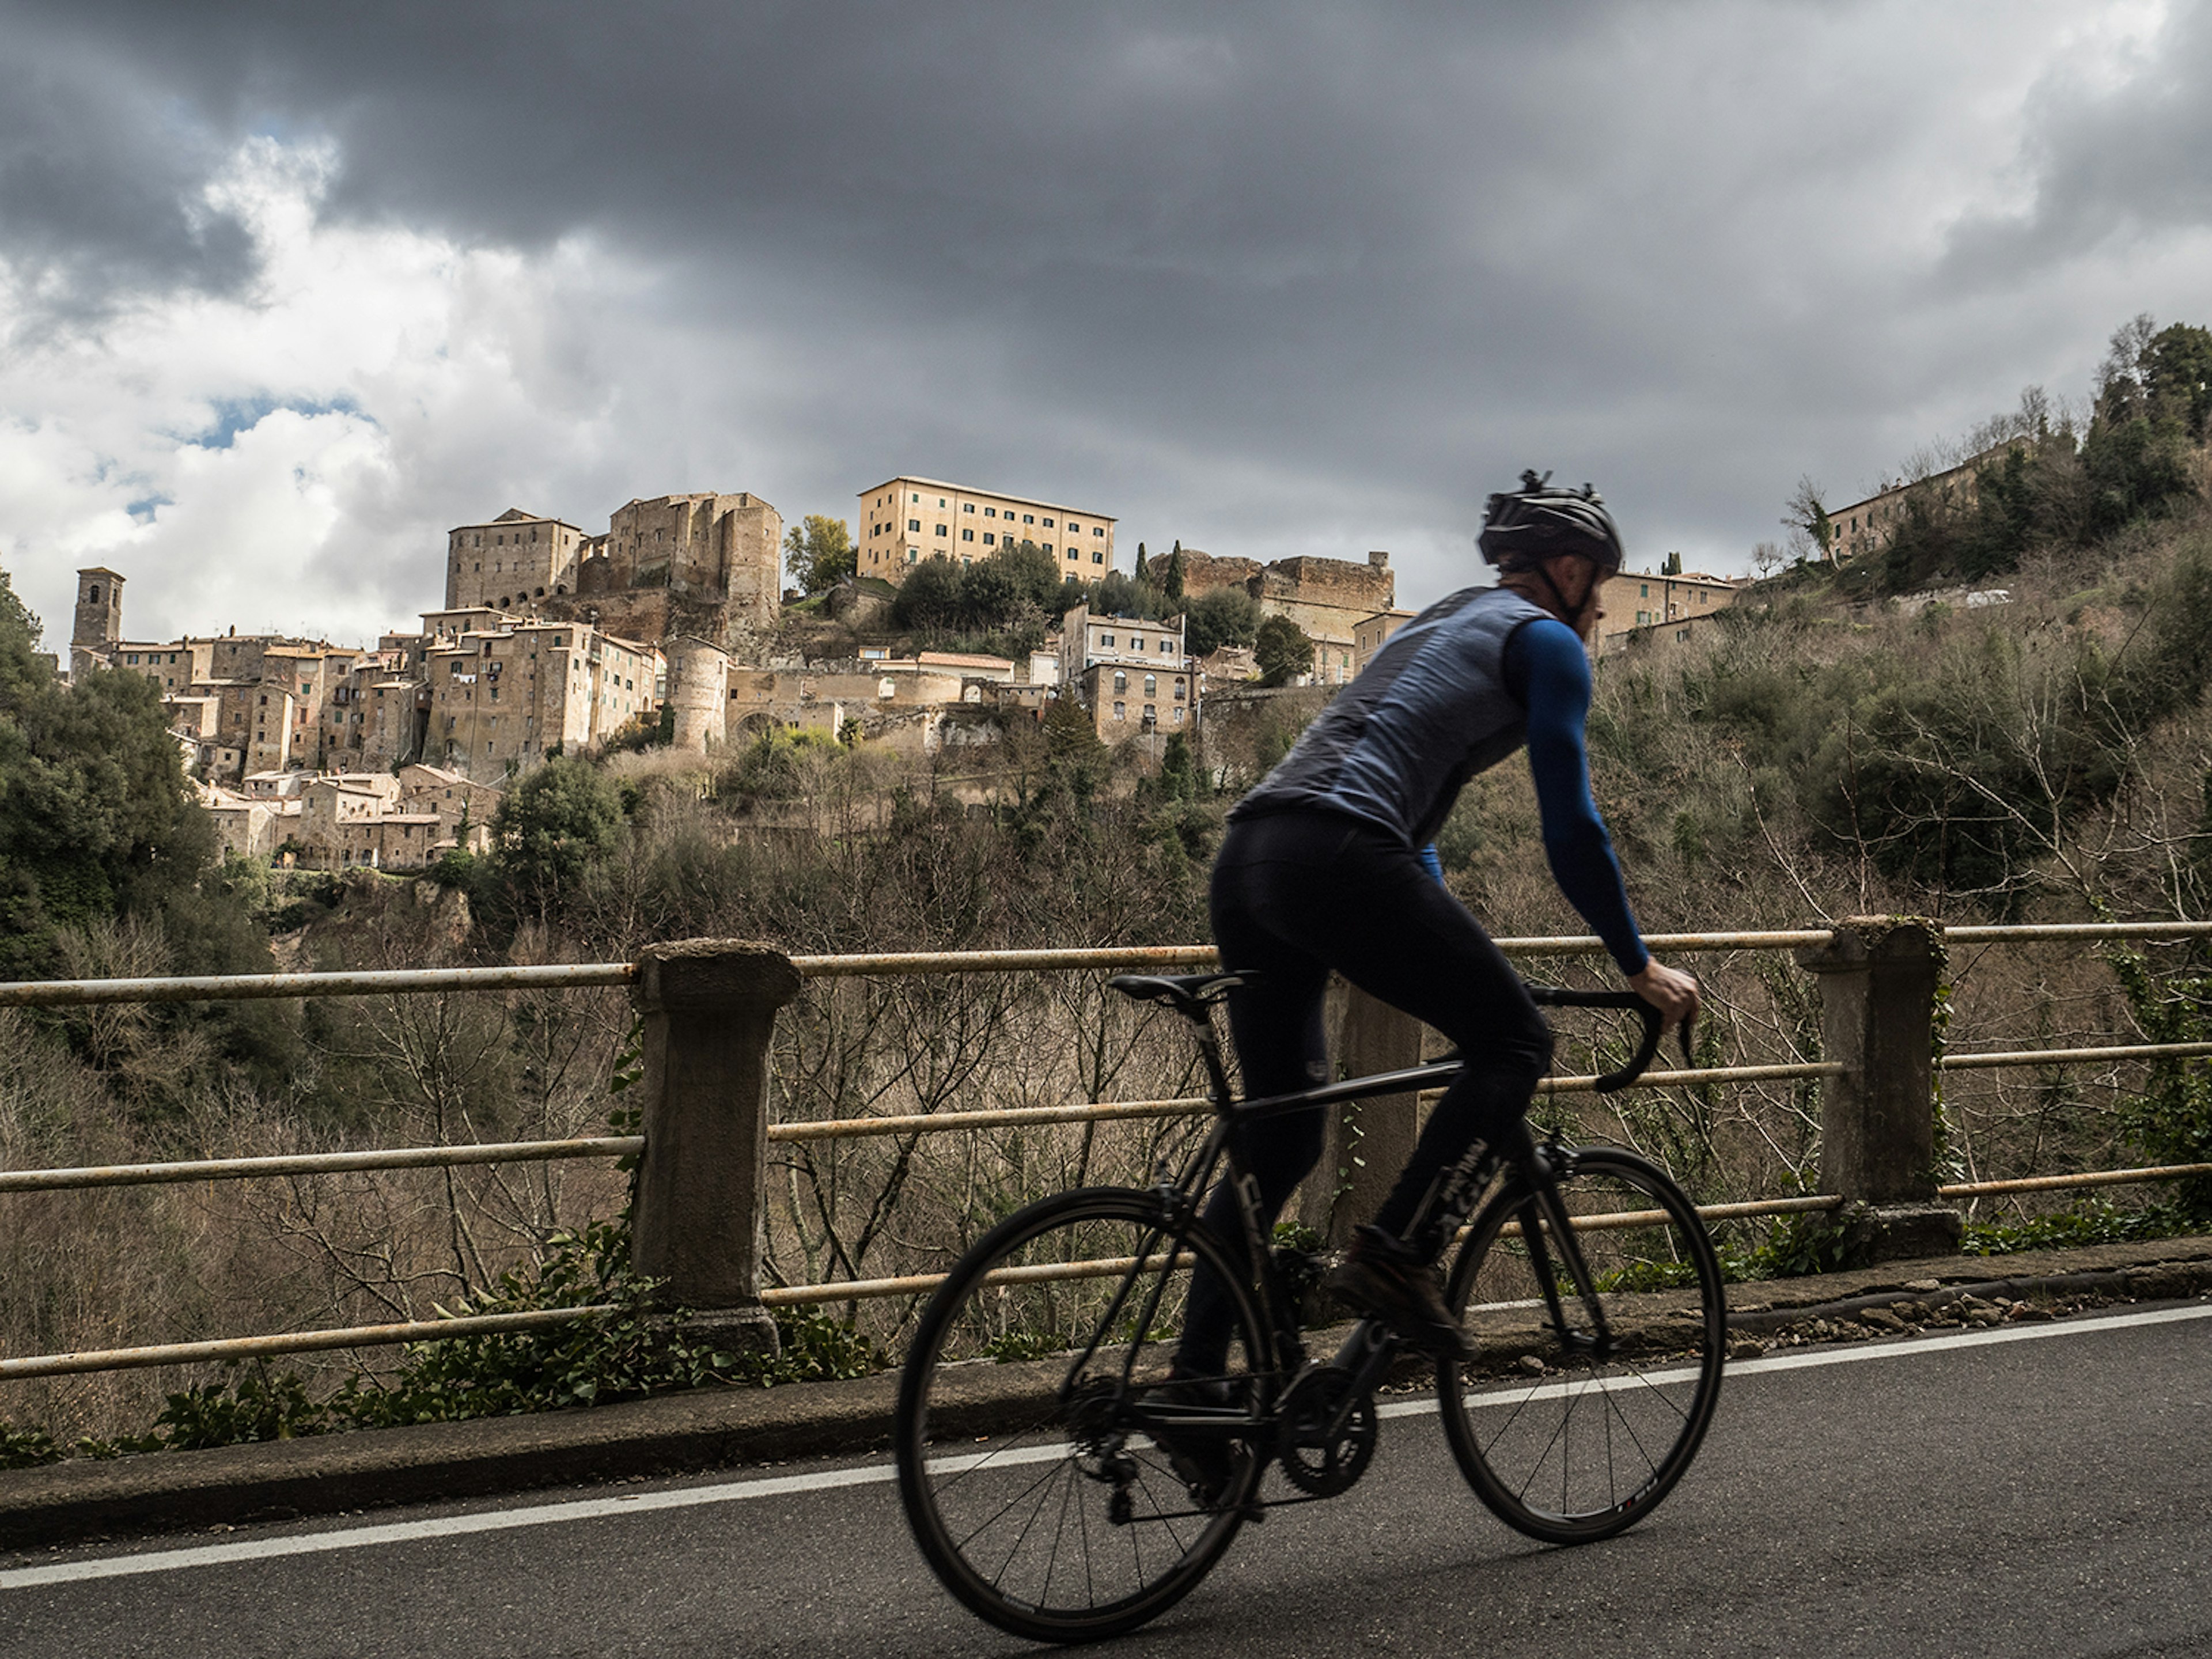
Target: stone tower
<point x="698" y="690"/>
<point x="98" y="624"/>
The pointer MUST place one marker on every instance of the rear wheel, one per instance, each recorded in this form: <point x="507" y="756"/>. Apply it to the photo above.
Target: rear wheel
<point x="1033" y="1455"/>
<point x="1568" y="1428"/>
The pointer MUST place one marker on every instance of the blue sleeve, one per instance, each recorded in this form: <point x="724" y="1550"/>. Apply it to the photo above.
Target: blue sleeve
<point x="1433" y="864"/>
<point x="1545" y="667"/>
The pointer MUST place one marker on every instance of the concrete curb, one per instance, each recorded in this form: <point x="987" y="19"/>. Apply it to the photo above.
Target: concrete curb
<point x="715" y="1429"/>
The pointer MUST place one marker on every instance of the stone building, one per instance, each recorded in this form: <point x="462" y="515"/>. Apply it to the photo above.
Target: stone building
<point x="517" y="558"/>
<point x="463" y="807"/>
<point x="97" y="623"/>
<point x="1134" y="675"/>
<point x="904" y="520"/>
<point x="503" y="698"/>
<point x="1086" y="638"/>
<point x="248" y="828"/>
<point x="704" y="563"/>
<point x="1136" y="700"/>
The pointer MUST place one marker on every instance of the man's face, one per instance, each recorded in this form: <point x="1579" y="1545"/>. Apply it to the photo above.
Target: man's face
<point x="1581" y="581"/>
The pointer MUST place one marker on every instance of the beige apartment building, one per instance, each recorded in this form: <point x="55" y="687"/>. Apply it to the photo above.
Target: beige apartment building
<point x="1634" y="600"/>
<point x="905" y="520"/>
<point x="1868" y="527"/>
<point x="1369" y="633"/>
<point x="512" y="561"/>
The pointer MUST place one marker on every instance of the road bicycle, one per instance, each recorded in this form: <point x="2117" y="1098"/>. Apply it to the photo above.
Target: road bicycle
<point x="1037" y="1431"/>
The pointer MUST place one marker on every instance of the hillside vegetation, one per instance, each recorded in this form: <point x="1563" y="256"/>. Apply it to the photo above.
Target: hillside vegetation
<point x="1830" y="749"/>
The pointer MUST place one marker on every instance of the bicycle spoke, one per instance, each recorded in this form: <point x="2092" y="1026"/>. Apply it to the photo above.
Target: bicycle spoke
<point x="1549" y="1457"/>
<point x="1035" y="1550"/>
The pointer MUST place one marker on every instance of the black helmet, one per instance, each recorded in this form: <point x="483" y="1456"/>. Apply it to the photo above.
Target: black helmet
<point x="1522" y="525"/>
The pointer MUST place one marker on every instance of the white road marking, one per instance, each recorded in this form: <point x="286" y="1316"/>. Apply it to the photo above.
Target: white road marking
<point x="780" y="1486"/>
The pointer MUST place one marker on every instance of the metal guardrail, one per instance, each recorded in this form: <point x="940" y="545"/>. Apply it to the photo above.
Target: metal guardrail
<point x="232" y="988"/>
<point x="239" y="1168"/>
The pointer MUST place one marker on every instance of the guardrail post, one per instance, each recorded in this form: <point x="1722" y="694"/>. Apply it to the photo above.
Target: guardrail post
<point x="710" y="1006"/>
<point x="1878" y="979"/>
<point x="1369" y="1141"/>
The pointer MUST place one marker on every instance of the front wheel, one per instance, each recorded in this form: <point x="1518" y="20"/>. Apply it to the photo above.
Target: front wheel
<point x="1042" y="1466"/>
<point x="1570" y="1426"/>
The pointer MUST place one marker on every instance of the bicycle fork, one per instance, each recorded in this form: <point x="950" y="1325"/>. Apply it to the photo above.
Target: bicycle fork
<point x="1543" y="1216"/>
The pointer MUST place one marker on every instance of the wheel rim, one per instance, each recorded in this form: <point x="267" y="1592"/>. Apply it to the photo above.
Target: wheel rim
<point x="1032" y="1484"/>
<point x="1585" y="1445"/>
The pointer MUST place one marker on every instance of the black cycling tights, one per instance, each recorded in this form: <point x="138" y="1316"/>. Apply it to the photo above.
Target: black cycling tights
<point x="1296" y="894"/>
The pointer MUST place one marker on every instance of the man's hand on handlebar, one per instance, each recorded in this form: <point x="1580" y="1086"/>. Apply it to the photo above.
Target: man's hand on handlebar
<point x="1671" y="991"/>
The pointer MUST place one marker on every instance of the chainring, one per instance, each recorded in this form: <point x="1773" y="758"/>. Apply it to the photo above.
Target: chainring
<point x="1314" y="1460"/>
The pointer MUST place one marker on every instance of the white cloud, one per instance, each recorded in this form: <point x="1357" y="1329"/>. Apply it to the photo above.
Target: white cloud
<point x="290" y="457"/>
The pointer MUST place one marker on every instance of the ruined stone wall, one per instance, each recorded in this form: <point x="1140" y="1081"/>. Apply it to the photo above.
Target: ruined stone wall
<point x="1341" y="584"/>
<point x="1202" y="573"/>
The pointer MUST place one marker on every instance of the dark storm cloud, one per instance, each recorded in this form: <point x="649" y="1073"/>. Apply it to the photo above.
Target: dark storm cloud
<point x="99" y="171"/>
<point x="2111" y="163"/>
<point x="1318" y="272"/>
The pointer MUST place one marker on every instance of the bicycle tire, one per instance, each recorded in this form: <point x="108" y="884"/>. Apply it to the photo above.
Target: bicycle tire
<point x="1538" y="1417"/>
<point x="994" y="1364"/>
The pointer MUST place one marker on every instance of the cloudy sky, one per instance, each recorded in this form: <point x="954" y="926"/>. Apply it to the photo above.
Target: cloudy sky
<point x="285" y="290"/>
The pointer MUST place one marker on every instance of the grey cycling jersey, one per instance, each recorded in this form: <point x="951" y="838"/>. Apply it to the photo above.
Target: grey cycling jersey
<point x="1426" y="715"/>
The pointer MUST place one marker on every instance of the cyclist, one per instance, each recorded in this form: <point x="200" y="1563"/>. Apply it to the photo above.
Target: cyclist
<point x="1323" y="867"/>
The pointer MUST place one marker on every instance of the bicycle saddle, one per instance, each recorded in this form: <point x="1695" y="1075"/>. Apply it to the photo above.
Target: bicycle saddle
<point x="1187" y="993"/>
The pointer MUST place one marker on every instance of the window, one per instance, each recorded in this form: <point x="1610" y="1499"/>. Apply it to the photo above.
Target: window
<point x="1151" y="687"/>
<point x="1643" y="591"/>
<point x="914" y="525"/>
<point x="988" y="538"/>
<point x="1098" y="530"/>
<point x="990" y="511"/>
<point x="968" y="507"/>
<point x="1178" y="714"/>
<point x="941" y="529"/>
<point x="1121" y="711"/>
<point x="1097" y="558"/>
<point x="967" y="535"/>
<point x="916" y="500"/>
<point x="1106" y="641"/>
<point x="1178" y="688"/>
<point x="1121" y="681"/>
<point x="1028" y="517"/>
<point x="1071" y="556"/>
<point x="1136" y="641"/>
<point x="1048" y="547"/>
<point x="941" y="500"/>
<point x="1071" y="524"/>
<point x="1166" y="646"/>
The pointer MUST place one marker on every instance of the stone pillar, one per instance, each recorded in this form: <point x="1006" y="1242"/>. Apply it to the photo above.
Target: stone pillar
<point x="709" y="1007"/>
<point x="1369" y="1141"/>
<point x="1878" y="979"/>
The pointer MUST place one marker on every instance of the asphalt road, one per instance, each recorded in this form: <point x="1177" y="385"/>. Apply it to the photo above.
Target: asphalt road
<point x="2035" y="1490"/>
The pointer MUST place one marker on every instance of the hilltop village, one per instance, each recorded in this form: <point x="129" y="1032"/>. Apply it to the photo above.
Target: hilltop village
<point x="671" y="626"/>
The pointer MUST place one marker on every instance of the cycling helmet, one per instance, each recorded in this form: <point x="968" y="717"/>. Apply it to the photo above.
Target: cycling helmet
<point x="1521" y="527"/>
